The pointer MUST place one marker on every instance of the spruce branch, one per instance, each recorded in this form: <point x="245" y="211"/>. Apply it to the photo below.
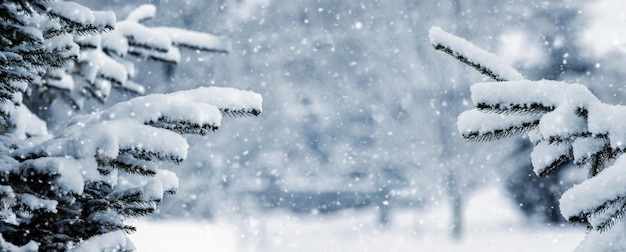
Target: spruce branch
<point x="601" y="159"/>
<point x="611" y="218"/>
<point x="572" y="124"/>
<point x="150" y="155"/>
<point x="484" y="62"/>
<point x="480" y="68"/>
<point x="240" y="112"/>
<point x="183" y="126"/>
<point x="515" y="109"/>
<point x="515" y="130"/>
<point x="555" y="165"/>
<point x="122" y="163"/>
<point x="567" y="139"/>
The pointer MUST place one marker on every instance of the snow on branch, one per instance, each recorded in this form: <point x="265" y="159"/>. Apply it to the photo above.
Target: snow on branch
<point x="102" y="243"/>
<point x="145" y="128"/>
<point x="538" y="97"/>
<point x="196" y="40"/>
<point x="485" y="62"/>
<point x="475" y="125"/>
<point x="547" y="158"/>
<point x="605" y="119"/>
<point x="565" y="122"/>
<point x="600" y="200"/>
<point x="175" y="113"/>
<point x="142" y="13"/>
<point x="570" y="123"/>
<point x="79" y="19"/>
<point x="144" y="37"/>
<point x="110" y="163"/>
<point x="102" y="65"/>
<point x="71" y="11"/>
<point x="230" y="101"/>
<point x="161" y="43"/>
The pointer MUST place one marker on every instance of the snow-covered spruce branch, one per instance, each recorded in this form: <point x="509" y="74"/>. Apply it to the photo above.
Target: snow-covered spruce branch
<point x="229" y="103"/>
<point x="80" y="186"/>
<point x="102" y="64"/>
<point x="484" y="62"/>
<point x="75" y="19"/>
<point x="566" y="122"/>
<point x="38" y="36"/>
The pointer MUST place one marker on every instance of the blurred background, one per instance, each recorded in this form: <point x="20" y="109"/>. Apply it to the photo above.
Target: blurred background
<point x="357" y="140"/>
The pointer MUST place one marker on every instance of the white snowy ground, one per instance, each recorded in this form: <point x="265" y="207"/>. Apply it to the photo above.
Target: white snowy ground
<point x="491" y="225"/>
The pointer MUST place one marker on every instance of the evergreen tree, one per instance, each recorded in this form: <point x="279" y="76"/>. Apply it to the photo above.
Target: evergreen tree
<point x="565" y="122"/>
<point x="38" y="36"/>
<point x="74" y="190"/>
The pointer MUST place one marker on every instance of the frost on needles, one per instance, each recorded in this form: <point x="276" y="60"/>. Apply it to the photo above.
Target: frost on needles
<point x="565" y="122"/>
<point x="74" y="190"/>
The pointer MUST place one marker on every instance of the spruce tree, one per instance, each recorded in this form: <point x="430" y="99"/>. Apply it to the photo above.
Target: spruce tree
<point x="73" y="191"/>
<point x="565" y="123"/>
<point x="38" y="36"/>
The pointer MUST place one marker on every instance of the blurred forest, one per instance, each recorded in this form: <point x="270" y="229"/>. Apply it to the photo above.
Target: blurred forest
<point x="359" y="110"/>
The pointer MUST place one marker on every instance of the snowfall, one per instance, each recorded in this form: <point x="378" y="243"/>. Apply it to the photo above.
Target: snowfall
<point x="492" y="224"/>
<point x="492" y="221"/>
